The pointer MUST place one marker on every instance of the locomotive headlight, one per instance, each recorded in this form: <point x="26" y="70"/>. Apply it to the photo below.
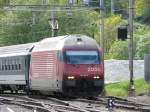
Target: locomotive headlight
<point x="96" y="77"/>
<point x="71" y="77"/>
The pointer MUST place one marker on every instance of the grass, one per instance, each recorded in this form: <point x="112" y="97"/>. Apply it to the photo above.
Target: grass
<point x="121" y="89"/>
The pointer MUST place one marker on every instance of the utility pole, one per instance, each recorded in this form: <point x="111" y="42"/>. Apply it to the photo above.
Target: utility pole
<point x="112" y="7"/>
<point x="53" y="21"/>
<point x="131" y="17"/>
<point x="102" y="29"/>
<point x="33" y="18"/>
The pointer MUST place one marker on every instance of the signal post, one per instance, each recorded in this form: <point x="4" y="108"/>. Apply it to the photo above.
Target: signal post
<point x="131" y="91"/>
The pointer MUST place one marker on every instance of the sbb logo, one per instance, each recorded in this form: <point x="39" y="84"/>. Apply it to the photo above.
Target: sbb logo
<point x="91" y="69"/>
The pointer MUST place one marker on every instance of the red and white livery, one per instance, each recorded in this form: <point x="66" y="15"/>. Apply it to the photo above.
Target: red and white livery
<point x="69" y="64"/>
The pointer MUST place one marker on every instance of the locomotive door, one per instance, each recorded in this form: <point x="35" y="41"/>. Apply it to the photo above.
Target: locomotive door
<point x="59" y="69"/>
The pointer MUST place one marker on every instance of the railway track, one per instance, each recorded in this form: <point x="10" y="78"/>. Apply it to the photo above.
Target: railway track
<point x="119" y="103"/>
<point x="51" y="104"/>
<point x="95" y="104"/>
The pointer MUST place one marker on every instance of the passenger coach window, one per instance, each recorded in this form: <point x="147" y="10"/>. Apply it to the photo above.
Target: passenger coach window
<point x="19" y="66"/>
<point x="12" y="67"/>
<point x="2" y="67"/>
<point x="16" y="67"/>
<point x="9" y="68"/>
<point x="6" y="67"/>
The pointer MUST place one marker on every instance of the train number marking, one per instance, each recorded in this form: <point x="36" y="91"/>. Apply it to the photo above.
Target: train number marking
<point x="91" y="69"/>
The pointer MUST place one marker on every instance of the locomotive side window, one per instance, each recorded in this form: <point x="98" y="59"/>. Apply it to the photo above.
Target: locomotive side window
<point x="82" y="57"/>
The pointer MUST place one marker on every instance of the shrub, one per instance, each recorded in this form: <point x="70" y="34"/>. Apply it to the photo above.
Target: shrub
<point x="119" y="50"/>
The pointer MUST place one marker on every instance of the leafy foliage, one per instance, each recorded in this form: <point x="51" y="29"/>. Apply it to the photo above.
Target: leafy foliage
<point x="143" y="46"/>
<point x="4" y="2"/>
<point x="22" y="30"/>
<point x="146" y="8"/>
<point x="111" y="25"/>
<point x="119" y="50"/>
<point x="139" y="7"/>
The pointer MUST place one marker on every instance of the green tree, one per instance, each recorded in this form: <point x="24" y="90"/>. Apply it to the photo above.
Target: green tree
<point x="111" y="25"/>
<point x="4" y="2"/>
<point x="146" y="8"/>
<point x="139" y="7"/>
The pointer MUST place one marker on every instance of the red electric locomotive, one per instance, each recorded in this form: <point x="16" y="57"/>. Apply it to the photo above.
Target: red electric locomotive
<point x="69" y="64"/>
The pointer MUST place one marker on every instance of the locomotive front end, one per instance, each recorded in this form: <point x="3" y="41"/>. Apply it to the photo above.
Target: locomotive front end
<point x="83" y="73"/>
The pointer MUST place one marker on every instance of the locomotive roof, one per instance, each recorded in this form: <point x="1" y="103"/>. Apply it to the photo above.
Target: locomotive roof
<point x="21" y="49"/>
<point x="67" y="41"/>
<point x="55" y="43"/>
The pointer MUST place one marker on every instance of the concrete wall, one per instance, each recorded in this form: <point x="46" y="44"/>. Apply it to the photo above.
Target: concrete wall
<point x="118" y="70"/>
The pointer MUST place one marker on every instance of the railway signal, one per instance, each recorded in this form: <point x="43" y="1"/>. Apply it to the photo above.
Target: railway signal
<point x="123" y="33"/>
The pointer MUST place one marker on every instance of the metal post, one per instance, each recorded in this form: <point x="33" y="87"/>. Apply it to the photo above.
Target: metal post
<point x="131" y="17"/>
<point x="33" y="18"/>
<point x="101" y="4"/>
<point x="54" y="22"/>
<point x="102" y="28"/>
<point x="112" y="7"/>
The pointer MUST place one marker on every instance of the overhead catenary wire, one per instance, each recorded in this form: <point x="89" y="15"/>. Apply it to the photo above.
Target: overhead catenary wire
<point x="28" y="7"/>
<point x="40" y="8"/>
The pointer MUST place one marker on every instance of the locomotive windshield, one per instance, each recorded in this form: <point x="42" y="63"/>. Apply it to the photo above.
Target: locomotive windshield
<point x="82" y="57"/>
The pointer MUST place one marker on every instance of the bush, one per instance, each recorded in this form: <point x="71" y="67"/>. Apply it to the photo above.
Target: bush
<point x="119" y="50"/>
<point x="143" y="46"/>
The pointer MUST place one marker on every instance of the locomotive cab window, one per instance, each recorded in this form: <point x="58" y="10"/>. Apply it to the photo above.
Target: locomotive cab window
<point x="82" y="57"/>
